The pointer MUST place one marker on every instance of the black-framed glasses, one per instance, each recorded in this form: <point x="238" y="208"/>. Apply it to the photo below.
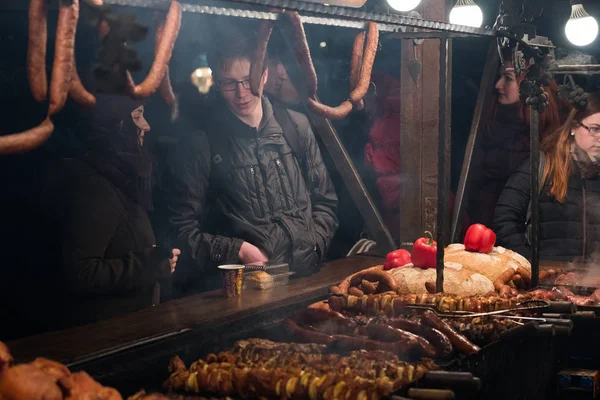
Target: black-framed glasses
<point x="594" y="131"/>
<point x="228" y="85"/>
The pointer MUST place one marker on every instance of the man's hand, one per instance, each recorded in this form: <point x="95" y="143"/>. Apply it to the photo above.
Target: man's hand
<point x="251" y="254"/>
<point x="173" y="261"/>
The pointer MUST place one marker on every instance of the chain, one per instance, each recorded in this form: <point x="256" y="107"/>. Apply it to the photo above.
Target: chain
<point x="350" y="18"/>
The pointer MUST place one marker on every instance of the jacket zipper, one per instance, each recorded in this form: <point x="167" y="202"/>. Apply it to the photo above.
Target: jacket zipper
<point x="584" y="217"/>
<point x="284" y="194"/>
<point x="256" y="188"/>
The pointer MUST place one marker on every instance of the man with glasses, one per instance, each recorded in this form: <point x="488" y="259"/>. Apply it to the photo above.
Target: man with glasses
<point x="253" y="186"/>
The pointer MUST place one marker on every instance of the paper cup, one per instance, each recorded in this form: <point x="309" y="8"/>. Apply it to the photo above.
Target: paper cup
<point x="231" y="279"/>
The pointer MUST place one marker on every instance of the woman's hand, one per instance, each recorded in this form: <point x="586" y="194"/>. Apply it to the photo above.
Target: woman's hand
<point x="251" y="254"/>
<point x="173" y="260"/>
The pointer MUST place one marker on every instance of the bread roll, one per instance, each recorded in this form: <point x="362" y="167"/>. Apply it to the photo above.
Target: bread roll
<point x="259" y="280"/>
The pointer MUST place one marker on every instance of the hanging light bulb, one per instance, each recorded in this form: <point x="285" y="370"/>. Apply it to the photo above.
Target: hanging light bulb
<point x="467" y="13"/>
<point x="403" y="5"/>
<point x="581" y="29"/>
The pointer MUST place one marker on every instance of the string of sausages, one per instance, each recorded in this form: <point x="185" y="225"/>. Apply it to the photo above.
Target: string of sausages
<point x="65" y="81"/>
<point x="363" y="57"/>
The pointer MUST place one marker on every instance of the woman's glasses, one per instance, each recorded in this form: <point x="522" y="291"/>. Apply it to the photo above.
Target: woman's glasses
<point x="594" y="131"/>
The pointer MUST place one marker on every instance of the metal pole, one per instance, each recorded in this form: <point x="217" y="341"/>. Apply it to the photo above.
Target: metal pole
<point x="535" y="194"/>
<point x="442" y="173"/>
<point x="480" y="116"/>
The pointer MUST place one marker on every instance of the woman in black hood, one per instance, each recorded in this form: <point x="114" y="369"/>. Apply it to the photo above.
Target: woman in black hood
<point x="109" y="263"/>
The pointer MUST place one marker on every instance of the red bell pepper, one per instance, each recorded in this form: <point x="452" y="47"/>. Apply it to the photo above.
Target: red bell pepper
<point x="424" y="252"/>
<point x="397" y="258"/>
<point x="479" y="238"/>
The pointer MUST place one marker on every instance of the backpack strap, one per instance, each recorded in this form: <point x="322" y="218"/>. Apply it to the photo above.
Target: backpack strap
<point x="291" y="132"/>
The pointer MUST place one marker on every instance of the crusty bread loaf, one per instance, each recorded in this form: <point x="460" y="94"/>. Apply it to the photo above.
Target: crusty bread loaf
<point x="490" y="265"/>
<point x="258" y="280"/>
<point x="457" y="280"/>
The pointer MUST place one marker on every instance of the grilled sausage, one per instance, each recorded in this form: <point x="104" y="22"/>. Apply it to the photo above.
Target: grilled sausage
<point x="386" y="281"/>
<point x="257" y="66"/>
<point x="163" y="54"/>
<point x="519" y="282"/>
<point x="459" y="341"/>
<point x="36" y="50"/>
<point x="303" y="53"/>
<point x="525" y="274"/>
<point x="345" y="284"/>
<point x="438" y="340"/>
<point x="431" y="287"/>
<point x="356" y="60"/>
<point x="504" y="278"/>
<point x="354" y="291"/>
<point x="367" y="64"/>
<point x="335" y="290"/>
<point x="304" y="335"/>
<point x="368" y="287"/>
<point x="26" y="141"/>
<point x="386" y="333"/>
<point x="64" y="55"/>
<point x="336" y="303"/>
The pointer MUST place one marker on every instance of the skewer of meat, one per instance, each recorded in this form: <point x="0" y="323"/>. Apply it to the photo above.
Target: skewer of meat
<point x="362" y="86"/>
<point x="36" y="50"/>
<point x="257" y="66"/>
<point x="162" y="58"/>
<point x="23" y="142"/>
<point x="64" y="55"/>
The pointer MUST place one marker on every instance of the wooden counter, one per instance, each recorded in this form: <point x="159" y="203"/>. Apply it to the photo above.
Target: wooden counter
<point x="181" y="315"/>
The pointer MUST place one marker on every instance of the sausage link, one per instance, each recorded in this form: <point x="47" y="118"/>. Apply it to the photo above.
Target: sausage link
<point x="386" y="281"/>
<point x="165" y="88"/>
<point x="386" y="333"/>
<point x="26" y="141"/>
<point x="163" y="54"/>
<point x="64" y="55"/>
<point x="336" y="303"/>
<point x="504" y="291"/>
<point x="322" y="305"/>
<point x="368" y="287"/>
<point x="367" y="64"/>
<point x="519" y="282"/>
<point x="356" y="60"/>
<point x="335" y="290"/>
<point x="354" y="291"/>
<point x="304" y="335"/>
<point x="303" y="53"/>
<point x="79" y="93"/>
<point x="345" y="284"/>
<point x="338" y="112"/>
<point x="257" y="66"/>
<point x="430" y="286"/>
<point x="504" y="278"/>
<point x="438" y="340"/>
<point x="36" y="50"/>
<point x="525" y="275"/>
<point x="459" y="341"/>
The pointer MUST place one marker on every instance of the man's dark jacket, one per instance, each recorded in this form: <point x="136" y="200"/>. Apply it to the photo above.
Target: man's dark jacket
<point x="234" y="183"/>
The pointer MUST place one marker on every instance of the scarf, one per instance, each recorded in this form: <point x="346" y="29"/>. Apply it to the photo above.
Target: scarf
<point x="589" y="167"/>
<point x="115" y="151"/>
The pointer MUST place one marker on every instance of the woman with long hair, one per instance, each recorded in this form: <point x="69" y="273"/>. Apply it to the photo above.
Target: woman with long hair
<point x="504" y="144"/>
<point x="570" y="197"/>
